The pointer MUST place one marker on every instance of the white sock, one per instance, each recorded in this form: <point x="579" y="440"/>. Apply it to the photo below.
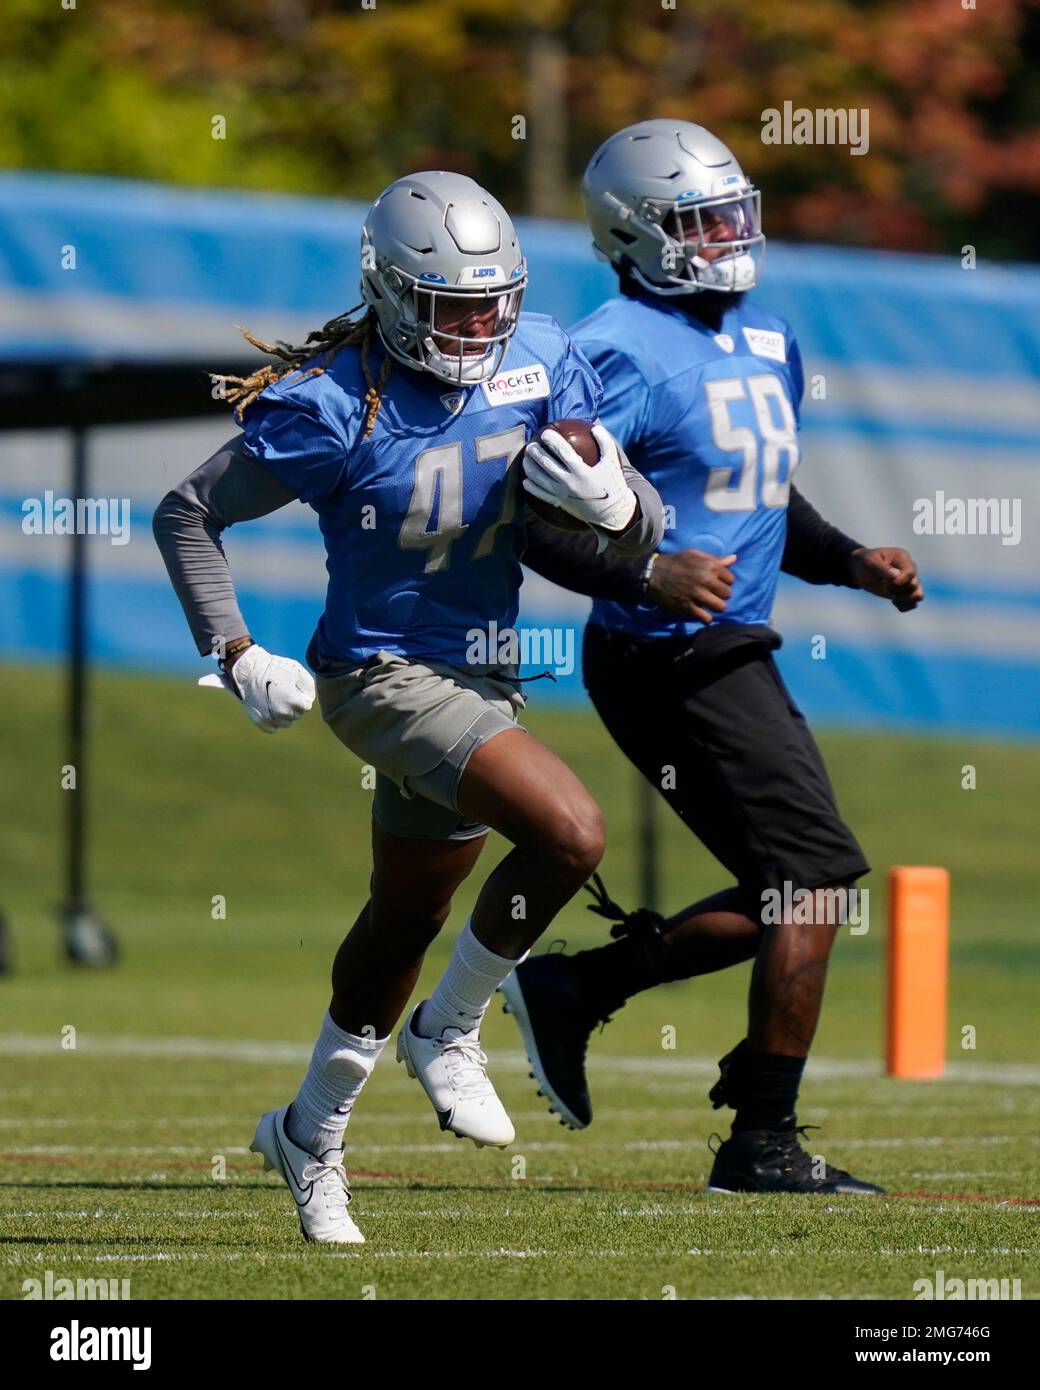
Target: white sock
<point x="466" y="988"/>
<point x="341" y="1063"/>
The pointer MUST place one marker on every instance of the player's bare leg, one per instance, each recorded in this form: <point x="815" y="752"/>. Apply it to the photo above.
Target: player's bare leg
<point x="787" y="983"/>
<point x="711" y="934"/>
<point x="372" y="977"/>
<point x="374" y="973"/>
<point x="376" y="967"/>
<point x="516" y="785"/>
<point x="521" y="789"/>
<point x="760" y="1078"/>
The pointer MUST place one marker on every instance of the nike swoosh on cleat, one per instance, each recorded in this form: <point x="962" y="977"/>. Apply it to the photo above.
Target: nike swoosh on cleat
<point x="444" y="1118"/>
<point x="293" y="1184"/>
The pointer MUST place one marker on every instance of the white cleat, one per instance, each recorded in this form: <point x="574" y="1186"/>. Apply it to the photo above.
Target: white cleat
<point x="319" y="1187"/>
<point x="451" y="1070"/>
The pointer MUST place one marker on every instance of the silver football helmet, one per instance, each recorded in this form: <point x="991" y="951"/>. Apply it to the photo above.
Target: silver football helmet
<point x="442" y="271"/>
<point x="669" y="199"/>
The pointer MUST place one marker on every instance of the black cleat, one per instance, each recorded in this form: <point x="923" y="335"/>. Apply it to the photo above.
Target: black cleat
<point x="763" y="1160"/>
<point x="555" y="1023"/>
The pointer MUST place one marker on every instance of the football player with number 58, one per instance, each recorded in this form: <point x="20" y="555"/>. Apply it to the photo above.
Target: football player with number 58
<point x="703" y="388"/>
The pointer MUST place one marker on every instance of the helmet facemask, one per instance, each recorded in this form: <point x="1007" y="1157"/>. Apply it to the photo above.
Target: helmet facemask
<point x="429" y="314"/>
<point x="708" y="244"/>
<point x="471" y="355"/>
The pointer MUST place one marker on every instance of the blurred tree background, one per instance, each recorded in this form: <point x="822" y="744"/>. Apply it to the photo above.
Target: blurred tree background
<point x="341" y="96"/>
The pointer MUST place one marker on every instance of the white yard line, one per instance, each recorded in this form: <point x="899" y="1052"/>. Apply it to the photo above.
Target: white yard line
<point x="229" y="1050"/>
<point x="411" y="1120"/>
<point x="934" y="1140"/>
<point x="265" y="1257"/>
<point x="132" y="1150"/>
<point x="143" y="1122"/>
<point x="220" y="1213"/>
<point x="356" y="1151"/>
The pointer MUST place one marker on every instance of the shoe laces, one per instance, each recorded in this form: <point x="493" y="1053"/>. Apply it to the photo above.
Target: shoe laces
<point x="786" y="1146"/>
<point x="465" y="1063"/>
<point x="644" y="921"/>
<point x="338" y="1195"/>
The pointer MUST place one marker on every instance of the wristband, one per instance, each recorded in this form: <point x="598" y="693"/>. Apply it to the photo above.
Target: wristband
<point x="239" y="645"/>
<point x="648" y="570"/>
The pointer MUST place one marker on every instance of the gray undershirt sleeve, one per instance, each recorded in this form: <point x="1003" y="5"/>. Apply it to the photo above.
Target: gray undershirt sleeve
<point x="229" y="487"/>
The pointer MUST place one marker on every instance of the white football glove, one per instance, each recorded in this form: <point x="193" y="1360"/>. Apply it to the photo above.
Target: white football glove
<point x="275" y="689"/>
<point x="597" y="495"/>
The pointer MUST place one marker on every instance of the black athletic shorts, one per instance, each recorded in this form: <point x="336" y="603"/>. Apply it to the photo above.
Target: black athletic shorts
<point x="708" y="720"/>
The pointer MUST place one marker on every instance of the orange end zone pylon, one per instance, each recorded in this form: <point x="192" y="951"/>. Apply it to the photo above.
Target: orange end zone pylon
<point x="918" y="955"/>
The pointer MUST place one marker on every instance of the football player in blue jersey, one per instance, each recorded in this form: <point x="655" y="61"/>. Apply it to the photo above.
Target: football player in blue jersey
<point x="404" y="429"/>
<point x="702" y="388"/>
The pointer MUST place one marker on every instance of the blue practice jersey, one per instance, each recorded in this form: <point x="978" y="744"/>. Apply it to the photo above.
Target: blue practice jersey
<point x="711" y="419"/>
<point x="422" y="523"/>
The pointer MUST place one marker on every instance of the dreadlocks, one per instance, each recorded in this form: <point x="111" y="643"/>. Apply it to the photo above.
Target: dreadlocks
<point x="242" y="391"/>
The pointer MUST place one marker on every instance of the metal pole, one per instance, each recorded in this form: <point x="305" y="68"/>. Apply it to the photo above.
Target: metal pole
<point x="77" y="690"/>
<point x="649" y="866"/>
<point x="87" y="939"/>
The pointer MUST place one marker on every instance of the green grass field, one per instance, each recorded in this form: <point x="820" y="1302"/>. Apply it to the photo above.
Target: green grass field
<point x="109" y="1149"/>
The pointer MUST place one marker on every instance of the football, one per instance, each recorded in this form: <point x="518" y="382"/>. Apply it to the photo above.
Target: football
<point x="581" y="439"/>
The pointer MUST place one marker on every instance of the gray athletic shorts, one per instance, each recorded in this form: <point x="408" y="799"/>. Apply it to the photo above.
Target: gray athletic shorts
<point x="417" y="722"/>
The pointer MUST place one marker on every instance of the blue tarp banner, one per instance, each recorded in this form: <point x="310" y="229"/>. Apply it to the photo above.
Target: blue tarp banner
<point x="921" y="428"/>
